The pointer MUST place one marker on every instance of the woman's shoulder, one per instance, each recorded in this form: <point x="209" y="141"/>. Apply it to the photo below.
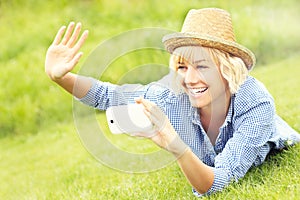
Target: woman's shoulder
<point x="253" y="89"/>
<point x="251" y="93"/>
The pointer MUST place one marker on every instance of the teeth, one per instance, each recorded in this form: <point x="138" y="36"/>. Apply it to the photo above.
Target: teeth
<point x="197" y="90"/>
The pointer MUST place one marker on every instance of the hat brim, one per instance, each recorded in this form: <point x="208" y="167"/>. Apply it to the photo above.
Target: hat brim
<point x="175" y="40"/>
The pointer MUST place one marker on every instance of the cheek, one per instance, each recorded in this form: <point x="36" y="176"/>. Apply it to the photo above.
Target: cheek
<point x="209" y="78"/>
<point x="219" y="86"/>
<point x="180" y="78"/>
<point x="213" y="77"/>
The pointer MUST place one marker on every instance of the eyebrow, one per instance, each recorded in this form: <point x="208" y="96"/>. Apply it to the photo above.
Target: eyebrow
<point x="198" y="61"/>
<point x="195" y="62"/>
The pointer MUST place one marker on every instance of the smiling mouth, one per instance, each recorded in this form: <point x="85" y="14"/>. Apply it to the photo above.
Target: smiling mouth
<point x="197" y="91"/>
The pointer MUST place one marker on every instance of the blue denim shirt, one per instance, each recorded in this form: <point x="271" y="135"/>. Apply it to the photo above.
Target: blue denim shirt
<point x="251" y="128"/>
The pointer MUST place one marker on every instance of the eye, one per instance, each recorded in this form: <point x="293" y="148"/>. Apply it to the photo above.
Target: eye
<point x="202" y="67"/>
<point x="181" y="67"/>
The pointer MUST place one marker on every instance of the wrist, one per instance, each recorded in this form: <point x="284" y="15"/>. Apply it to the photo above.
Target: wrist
<point x="62" y="79"/>
<point x="177" y="147"/>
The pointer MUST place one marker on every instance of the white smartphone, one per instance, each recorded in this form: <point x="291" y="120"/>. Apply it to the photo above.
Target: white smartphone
<point x="128" y="119"/>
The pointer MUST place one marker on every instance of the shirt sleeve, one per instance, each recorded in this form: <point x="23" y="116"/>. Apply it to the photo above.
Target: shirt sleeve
<point x="253" y="126"/>
<point x="104" y="94"/>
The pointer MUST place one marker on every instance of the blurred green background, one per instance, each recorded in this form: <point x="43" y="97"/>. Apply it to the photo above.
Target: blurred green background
<point x="41" y="155"/>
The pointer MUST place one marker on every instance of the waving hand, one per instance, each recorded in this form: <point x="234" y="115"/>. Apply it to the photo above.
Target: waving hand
<point x="63" y="54"/>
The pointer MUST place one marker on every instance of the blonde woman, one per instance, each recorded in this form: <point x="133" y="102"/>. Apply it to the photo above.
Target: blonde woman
<point x="217" y="120"/>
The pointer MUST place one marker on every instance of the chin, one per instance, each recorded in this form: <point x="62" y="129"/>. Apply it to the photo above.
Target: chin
<point x="197" y="103"/>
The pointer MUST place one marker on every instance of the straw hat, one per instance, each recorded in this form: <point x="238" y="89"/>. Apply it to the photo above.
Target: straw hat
<point x="209" y="27"/>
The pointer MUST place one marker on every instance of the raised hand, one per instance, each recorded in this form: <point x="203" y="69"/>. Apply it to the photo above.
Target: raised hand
<point x="63" y="54"/>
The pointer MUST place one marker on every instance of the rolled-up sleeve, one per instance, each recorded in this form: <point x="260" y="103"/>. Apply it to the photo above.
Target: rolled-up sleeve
<point x="103" y="94"/>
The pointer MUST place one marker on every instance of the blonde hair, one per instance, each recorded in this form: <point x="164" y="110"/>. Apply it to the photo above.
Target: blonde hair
<point x="232" y="68"/>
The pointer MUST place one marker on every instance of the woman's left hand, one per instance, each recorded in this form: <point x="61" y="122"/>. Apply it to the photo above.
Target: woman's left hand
<point x="165" y="135"/>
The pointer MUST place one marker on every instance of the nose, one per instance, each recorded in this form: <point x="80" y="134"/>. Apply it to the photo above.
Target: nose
<point x="192" y="76"/>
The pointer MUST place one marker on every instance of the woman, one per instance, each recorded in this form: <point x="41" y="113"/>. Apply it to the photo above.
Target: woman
<point x="217" y="120"/>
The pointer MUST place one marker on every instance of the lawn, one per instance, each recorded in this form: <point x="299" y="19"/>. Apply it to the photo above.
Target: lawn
<point x="41" y="154"/>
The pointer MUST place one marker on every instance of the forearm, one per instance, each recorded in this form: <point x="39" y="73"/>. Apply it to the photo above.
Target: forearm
<point x="200" y="176"/>
<point x="75" y="84"/>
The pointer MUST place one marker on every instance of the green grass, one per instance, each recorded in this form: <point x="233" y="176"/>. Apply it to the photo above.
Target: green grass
<point x="42" y="157"/>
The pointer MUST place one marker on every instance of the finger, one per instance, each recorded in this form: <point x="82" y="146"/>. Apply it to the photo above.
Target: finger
<point x="159" y="121"/>
<point x="152" y="108"/>
<point x="142" y="135"/>
<point x="75" y="35"/>
<point x="155" y="114"/>
<point x="74" y="61"/>
<point x="68" y="33"/>
<point x="146" y="103"/>
<point x="138" y="100"/>
<point x="152" y="116"/>
<point x="59" y="35"/>
<point x="81" y="40"/>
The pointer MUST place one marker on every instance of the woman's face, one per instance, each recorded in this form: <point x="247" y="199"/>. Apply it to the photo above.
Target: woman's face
<point x="200" y="78"/>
